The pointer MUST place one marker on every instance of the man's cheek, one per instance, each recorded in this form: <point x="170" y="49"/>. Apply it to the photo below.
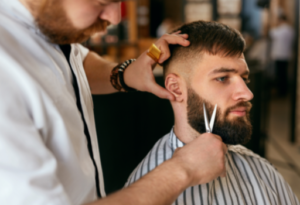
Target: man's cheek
<point x="222" y="117"/>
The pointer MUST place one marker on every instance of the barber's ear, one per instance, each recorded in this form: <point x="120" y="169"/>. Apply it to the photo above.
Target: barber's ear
<point x="174" y="85"/>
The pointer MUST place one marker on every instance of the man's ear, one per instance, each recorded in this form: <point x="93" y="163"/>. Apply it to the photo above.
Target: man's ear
<point x="174" y="85"/>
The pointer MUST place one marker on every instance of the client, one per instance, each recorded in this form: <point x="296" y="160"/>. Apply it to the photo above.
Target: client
<point x="213" y="70"/>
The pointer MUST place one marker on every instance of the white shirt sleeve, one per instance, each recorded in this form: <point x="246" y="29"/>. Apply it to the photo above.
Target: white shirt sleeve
<point x="82" y="50"/>
<point x="27" y="168"/>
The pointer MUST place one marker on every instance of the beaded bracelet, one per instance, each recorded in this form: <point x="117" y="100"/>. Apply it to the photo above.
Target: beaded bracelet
<point x="118" y="72"/>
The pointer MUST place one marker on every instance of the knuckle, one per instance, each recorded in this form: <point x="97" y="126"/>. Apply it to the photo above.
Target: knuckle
<point x="158" y="42"/>
<point x="218" y="144"/>
<point x="217" y="136"/>
<point x="165" y="43"/>
<point x="221" y="156"/>
<point x="167" y="55"/>
<point x="222" y="167"/>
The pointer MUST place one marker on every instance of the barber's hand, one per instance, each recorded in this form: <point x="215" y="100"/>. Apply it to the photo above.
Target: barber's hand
<point x="203" y="159"/>
<point x="139" y="74"/>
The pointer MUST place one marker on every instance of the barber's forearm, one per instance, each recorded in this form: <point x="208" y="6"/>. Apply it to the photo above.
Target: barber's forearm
<point x="98" y="72"/>
<point x="159" y="187"/>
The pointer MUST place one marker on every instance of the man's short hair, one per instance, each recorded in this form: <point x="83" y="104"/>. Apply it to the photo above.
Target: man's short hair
<point x="211" y="37"/>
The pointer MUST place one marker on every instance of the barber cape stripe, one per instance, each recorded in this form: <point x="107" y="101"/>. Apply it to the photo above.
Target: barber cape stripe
<point x="250" y="179"/>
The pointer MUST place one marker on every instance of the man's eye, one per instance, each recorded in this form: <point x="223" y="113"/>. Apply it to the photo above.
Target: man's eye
<point x="222" y="79"/>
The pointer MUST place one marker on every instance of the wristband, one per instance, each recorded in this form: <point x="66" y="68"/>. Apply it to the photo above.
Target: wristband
<point x="114" y="76"/>
<point x="122" y="68"/>
<point x="118" y="73"/>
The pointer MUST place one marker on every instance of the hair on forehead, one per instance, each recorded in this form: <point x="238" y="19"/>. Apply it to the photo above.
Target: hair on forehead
<point x="211" y="37"/>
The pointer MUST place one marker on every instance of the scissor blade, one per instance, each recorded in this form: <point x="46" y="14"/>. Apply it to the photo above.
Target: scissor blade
<point x="205" y="119"/>
<point x="212" y="119"/>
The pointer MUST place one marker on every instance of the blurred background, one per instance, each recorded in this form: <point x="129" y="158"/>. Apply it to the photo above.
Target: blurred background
<point x="128" y="124"/>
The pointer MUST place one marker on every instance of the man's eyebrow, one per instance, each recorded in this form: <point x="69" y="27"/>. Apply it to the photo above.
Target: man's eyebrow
<point x="247" y="72"/>
<point x="228" y="70"/>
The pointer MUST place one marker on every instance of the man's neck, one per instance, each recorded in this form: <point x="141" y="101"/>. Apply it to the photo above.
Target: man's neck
<point x="183" y="131"/>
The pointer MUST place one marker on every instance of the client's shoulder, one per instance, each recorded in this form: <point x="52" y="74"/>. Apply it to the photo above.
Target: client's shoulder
<point x="241" y="151"/>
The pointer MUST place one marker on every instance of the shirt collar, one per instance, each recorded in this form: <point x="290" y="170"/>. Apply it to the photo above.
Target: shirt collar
<point x="174" y="142"/>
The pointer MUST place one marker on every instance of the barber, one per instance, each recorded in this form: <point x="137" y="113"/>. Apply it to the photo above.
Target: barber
<point x="49" y="151"/>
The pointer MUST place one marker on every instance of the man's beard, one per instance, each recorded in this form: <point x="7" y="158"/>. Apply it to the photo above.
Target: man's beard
<point x="235" y="131"/>
<point x="54" y="24"/>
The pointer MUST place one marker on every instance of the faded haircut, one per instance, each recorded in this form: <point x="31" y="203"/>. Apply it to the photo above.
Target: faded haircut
<point x="211" y="37"/>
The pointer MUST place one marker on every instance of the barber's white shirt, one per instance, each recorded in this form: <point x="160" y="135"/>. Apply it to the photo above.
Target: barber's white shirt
<point x="44" y="157"/>
<point x="282" y="42"/>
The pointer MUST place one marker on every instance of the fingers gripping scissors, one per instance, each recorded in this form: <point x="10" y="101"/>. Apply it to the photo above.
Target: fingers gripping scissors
<point x="209" y="127"/>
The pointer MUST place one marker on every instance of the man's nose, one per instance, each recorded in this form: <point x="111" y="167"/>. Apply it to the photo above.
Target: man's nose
<point x="112" y="13"/>
<point x="242" y="92"/>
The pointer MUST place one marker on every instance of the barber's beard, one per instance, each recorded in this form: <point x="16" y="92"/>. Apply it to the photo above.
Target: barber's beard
<point x="232" y="131"/>
<point x="53" y="22"/>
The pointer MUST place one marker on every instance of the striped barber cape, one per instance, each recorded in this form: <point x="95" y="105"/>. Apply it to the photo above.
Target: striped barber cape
<point x="250" y="179"/>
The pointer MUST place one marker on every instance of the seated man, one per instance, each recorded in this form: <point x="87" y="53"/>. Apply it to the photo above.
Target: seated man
<point x="213" y="70"/>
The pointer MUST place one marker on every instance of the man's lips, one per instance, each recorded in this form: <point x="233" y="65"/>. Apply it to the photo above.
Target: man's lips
<point x="239" y="111"/>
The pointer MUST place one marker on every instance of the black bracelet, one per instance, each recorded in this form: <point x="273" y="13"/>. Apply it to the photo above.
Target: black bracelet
<point x="114" y="78"/>
<point x="121" y="70"/>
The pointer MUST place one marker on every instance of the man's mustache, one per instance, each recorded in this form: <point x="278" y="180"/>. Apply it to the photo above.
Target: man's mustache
<point x="98" y="26"/>
<point x="243" y="104"/>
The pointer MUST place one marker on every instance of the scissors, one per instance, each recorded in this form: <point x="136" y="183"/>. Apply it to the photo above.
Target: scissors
<point x="209" y="127"/>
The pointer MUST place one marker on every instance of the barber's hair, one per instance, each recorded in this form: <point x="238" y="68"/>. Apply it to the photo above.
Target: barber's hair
<point x="211" y="37"/>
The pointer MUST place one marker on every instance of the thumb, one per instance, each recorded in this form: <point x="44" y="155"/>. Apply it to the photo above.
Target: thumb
<point x="161" y="92"/>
